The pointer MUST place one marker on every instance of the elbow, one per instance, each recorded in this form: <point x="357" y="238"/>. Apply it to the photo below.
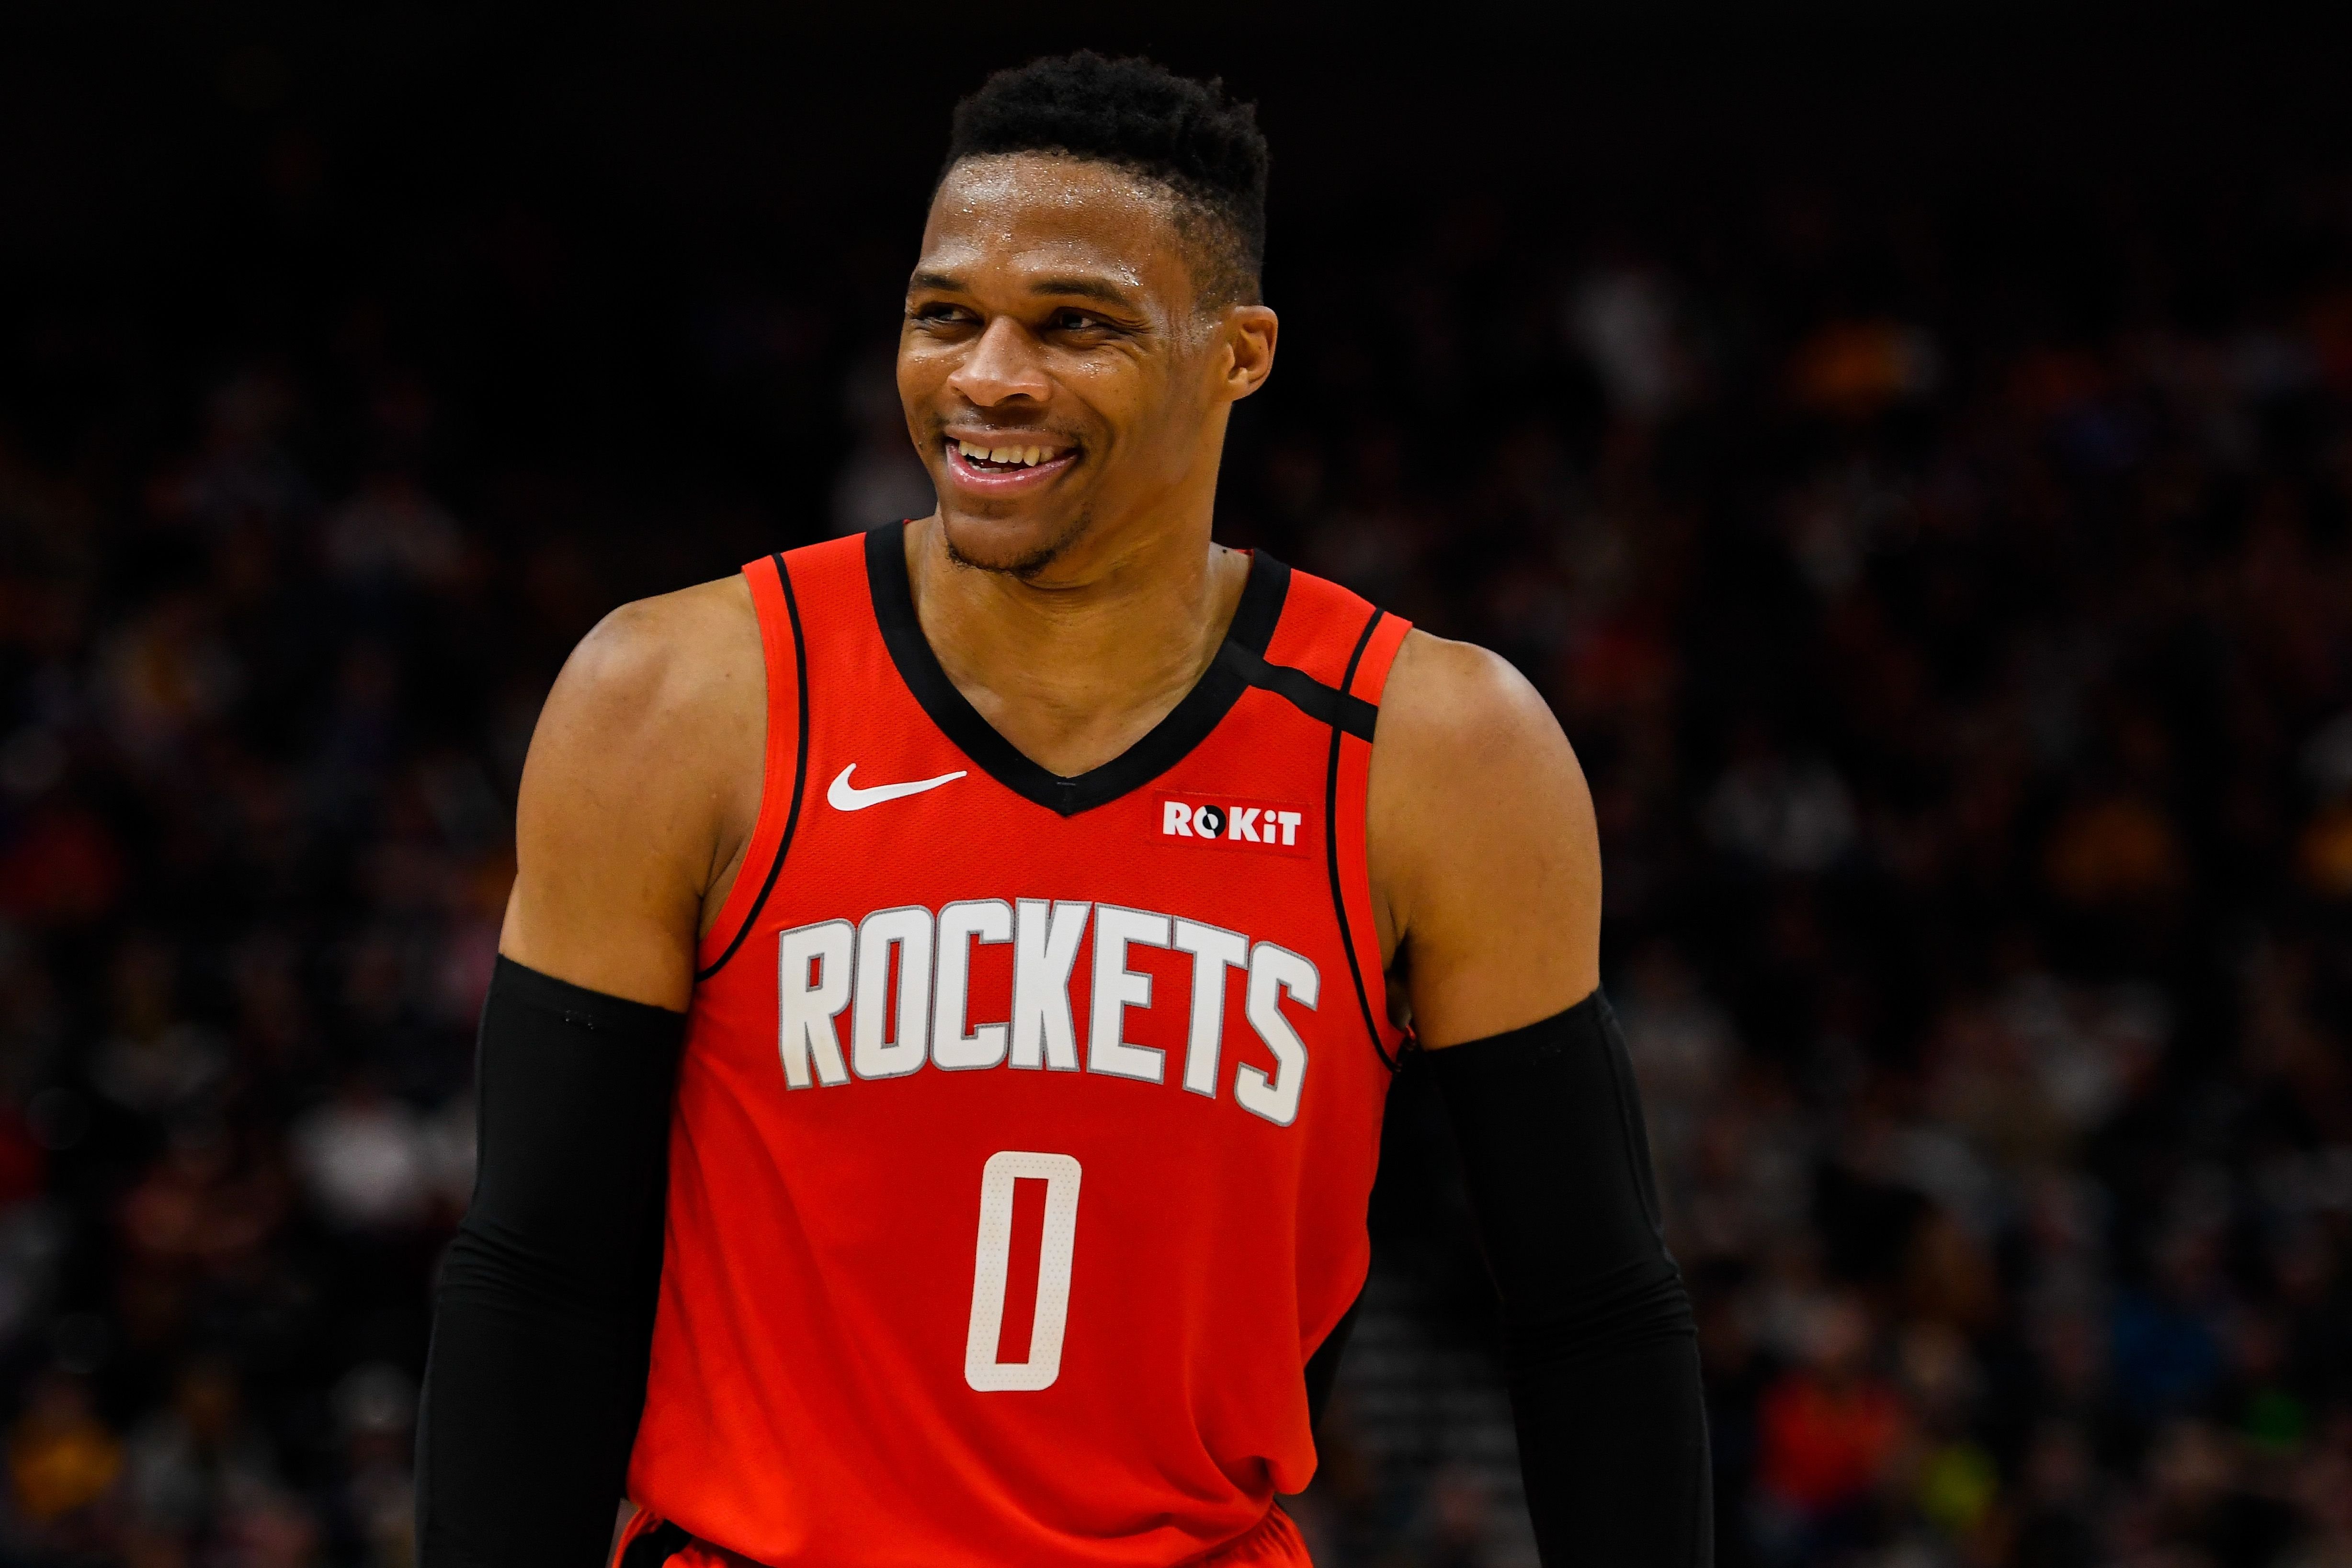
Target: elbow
<point x="1621" y="1314"/>
<point x="490" y="1265"/>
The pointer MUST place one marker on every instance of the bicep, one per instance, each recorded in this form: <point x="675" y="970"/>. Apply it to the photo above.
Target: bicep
<point x="1485" y="845"/>
<point x="610" y="830"/>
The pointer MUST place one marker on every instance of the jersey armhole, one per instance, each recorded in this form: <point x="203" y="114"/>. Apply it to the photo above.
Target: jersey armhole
<point x="1366" y="677"/>
<point x="784" y="763"/>
<point x="1380" y="650"/>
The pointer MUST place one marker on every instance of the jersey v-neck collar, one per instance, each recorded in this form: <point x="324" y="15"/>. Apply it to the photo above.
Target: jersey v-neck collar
<point x="1168" y="743"/>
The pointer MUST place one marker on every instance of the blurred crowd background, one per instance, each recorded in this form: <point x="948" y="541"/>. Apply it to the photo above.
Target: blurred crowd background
<point x="1917" y="472"/>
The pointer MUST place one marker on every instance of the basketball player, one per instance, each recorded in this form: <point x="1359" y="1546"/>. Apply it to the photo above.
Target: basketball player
<point x="936" y="1064"/>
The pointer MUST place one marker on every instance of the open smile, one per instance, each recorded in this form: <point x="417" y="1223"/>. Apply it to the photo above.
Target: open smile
<point x="999" y="467"/>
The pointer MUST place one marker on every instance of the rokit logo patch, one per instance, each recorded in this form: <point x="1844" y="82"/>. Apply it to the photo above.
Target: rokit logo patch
<point x="1268" y="827"/>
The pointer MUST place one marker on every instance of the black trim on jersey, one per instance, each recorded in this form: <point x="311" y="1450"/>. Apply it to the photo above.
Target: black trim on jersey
<point x="1331" y="838"/>
<point x="1324" y="704"/>
<point x="800" y="779"/>
<point x="1169" y="742"/>
<point x="656" y="1546"/>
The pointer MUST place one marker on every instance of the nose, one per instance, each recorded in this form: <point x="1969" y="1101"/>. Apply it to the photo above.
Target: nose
<point x="1003" y="365"/>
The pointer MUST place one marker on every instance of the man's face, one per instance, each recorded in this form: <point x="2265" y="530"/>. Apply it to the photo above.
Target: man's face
<point x="1057" y="376"/>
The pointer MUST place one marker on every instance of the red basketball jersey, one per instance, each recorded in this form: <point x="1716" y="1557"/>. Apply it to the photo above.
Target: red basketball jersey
<point x="1027" y="1124"/>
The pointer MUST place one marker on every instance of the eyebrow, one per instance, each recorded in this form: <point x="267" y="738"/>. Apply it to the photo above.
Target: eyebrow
<point x="1083" y="288"/>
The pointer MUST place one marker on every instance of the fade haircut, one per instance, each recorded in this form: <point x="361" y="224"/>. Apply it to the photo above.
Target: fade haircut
<point x="1184" y="135"/>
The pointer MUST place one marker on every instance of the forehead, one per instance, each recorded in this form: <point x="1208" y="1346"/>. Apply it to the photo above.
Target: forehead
<point x="1044" y="212"/>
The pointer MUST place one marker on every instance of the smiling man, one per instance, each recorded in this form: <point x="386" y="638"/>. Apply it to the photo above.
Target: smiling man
<point x="933" y="1080"/>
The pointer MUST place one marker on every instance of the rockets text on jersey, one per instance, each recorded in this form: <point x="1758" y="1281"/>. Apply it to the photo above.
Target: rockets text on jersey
<point x="1026" y="1123"/>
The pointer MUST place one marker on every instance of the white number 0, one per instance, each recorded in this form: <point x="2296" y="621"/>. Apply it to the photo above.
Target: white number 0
<point x="981" y="1367"/>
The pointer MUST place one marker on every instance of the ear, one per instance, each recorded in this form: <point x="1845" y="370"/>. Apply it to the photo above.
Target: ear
<point x="1248" y="333"/>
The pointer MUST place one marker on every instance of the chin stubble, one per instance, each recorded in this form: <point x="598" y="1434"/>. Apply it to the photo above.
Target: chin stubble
<point x="1025" y="568"/>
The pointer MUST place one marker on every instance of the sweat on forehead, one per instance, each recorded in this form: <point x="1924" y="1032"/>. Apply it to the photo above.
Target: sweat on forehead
<point x="1104" y="196"/>
<point x="1027" y="177"/>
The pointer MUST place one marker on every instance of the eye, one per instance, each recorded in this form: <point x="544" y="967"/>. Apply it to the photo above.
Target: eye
<point x="940" y="314"/>
<point x="1076" y="321"/>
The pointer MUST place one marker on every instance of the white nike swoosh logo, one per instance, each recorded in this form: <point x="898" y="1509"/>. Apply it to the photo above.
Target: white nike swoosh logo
<point x="847" y="796"/>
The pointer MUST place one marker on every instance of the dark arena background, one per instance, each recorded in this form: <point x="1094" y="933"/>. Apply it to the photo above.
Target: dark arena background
<point x="1915" y="464"/>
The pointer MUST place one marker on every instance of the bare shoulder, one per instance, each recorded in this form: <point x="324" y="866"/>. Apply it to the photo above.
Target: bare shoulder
<point x="639" y="791"/>
<point x="658" y="693"/>
<point x="662" y="662"/>
<point x="1443" y="696"/>
<point x="1485" y="861"/>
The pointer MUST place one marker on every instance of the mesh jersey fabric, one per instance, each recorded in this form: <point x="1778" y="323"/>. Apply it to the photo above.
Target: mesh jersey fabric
<point x="1026" y="1126"/>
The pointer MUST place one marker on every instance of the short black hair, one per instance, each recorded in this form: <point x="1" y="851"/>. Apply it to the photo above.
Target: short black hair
<point x="1138" y="115"/>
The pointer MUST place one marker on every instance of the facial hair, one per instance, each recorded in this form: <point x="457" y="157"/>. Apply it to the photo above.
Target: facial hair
<point x="1028" y="566"/>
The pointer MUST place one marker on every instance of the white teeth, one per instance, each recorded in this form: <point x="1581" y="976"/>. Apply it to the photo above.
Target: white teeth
<point x="1022" y="457"/>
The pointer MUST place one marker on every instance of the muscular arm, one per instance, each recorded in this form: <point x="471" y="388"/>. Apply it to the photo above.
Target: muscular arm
<point x="1487" y="881"/>
<point x="638" y="795"/>
<point x="1486" y="863"/>
<point x="636" y="799"/>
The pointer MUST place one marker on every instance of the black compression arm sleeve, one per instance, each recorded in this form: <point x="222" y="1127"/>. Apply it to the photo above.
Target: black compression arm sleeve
<point x="545" y="1312"/>
<point x="1597" y="1333"/>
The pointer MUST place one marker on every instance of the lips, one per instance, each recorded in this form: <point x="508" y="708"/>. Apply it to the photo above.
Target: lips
<point x="1009" y="464"/>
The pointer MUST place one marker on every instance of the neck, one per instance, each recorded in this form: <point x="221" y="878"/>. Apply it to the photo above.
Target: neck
<point x="1078" y="666"/>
